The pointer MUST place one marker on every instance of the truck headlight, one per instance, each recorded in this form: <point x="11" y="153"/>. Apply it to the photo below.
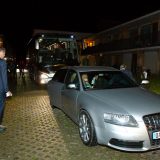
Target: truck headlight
<point x="120" y="119"/>
<point x="43" y="76"/>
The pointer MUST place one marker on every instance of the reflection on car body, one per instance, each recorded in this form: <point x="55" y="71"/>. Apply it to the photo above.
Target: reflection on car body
<point x="112" y="111"/>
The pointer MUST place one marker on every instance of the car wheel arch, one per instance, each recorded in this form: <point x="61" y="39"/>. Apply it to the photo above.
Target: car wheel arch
<point x="89" y="111"/>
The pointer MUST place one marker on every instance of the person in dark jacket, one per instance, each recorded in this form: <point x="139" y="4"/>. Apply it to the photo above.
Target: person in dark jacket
<point x="123" y="68"/>
<point x="4" y="92"/>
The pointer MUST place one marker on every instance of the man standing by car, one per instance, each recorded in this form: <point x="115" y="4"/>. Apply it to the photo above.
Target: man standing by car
<point x="124" y="69"/>
<point x="4" y="92"/>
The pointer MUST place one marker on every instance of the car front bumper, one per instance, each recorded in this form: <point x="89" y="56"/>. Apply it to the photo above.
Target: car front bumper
<point x="126" y="138"/>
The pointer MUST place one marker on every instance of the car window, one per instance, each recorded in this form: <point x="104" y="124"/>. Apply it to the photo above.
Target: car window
<point x="106" y="80"/>
<point x="60" y="75"/>
<point x="72" y="77"/>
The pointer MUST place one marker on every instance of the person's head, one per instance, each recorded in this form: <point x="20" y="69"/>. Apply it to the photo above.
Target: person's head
<point x="144" y="68"/>
<point x="2" y="53"/>
<point x="85" y="77"/>
<point x="123" y="67"/>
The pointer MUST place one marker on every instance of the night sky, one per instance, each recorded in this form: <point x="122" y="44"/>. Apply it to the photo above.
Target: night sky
<point x="18" y="19"/>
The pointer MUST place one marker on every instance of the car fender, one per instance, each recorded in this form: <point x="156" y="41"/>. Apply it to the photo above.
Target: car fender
<point x="91" y="105"/>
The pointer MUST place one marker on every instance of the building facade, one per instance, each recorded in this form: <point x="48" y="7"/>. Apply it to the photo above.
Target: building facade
<point x="1" y="40"/>
<point x="135" y="43"/>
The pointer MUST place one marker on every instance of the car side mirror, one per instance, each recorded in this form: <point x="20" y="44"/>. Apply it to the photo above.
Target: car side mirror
<point x="71" y="86"/>
<point x="145" y="81"/>
<point x="145" y="84"/>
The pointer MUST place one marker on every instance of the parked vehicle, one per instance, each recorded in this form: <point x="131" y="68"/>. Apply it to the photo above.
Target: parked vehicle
<point x="113" y="110"/>
<point x="49" y="52"/>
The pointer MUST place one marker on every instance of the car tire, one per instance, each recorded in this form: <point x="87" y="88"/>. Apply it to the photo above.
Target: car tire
<point x="86" y="129"/>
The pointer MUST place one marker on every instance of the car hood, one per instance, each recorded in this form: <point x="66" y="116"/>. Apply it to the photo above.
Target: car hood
<point x="129" y="100"/>
<point x="52" y="68"/>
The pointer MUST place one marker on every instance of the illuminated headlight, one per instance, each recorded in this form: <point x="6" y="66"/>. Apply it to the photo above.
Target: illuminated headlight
<point x="120" y="119"/>
<point x="72" y="36"/>
<point x="51" y="74"/>
<point x="43" y="76"/>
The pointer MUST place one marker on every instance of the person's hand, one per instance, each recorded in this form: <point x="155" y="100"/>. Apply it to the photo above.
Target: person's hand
<point x="8" y="94"/>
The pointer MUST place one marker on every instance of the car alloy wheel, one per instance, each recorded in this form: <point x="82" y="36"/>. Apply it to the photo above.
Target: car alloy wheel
<point x="86" y="129"/>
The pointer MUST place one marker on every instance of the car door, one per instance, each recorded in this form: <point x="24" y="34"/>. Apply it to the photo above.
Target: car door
<point x="55" y="87"/>
<point x="69" y="95"/>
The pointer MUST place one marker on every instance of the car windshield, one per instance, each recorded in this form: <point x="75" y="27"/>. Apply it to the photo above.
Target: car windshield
<point x="106" y="80"/>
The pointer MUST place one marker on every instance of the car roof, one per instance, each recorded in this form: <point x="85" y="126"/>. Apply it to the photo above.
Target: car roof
<point x="91" y="68"/>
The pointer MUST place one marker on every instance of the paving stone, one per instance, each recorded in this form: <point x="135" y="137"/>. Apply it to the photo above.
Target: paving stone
<point x="37" y="132"/>
<point x="32" y="130"/>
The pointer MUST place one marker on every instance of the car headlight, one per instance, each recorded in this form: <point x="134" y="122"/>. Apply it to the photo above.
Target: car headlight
<point x="120" y="119"/>
<point x="43" y="75"/>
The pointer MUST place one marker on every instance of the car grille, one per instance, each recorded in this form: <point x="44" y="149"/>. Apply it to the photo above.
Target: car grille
<point x="152" y="123"/>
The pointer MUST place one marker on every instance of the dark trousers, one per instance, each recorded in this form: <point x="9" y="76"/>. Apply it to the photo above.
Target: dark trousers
<point x="2" y="104"/>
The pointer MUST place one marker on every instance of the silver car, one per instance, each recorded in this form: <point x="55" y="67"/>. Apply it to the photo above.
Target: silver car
<point x="109" y="107"/>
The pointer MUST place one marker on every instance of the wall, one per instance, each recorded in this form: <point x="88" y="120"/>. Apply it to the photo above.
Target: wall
<point x="127" y="59"/>
<point x="151" y="61"/>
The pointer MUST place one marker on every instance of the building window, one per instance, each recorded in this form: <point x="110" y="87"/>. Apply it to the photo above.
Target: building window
<point x="88" y="43"/>
<point x="146" y="34"/>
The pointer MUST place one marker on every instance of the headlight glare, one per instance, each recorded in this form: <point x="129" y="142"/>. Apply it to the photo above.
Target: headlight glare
<point x="43" y="75"/>
<point x="120" y="119"/>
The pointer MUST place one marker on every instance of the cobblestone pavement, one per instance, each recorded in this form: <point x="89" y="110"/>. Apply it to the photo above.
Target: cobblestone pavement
<point x="32" y="130"/>
<point x="37" y="132"/>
